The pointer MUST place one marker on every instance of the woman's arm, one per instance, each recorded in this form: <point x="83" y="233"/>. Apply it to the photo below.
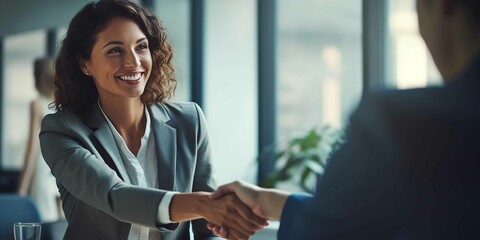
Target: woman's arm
<point x="67" y="147"/>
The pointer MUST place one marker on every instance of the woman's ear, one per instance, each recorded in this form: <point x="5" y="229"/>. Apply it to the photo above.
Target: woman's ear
<point x="85" y="66"/>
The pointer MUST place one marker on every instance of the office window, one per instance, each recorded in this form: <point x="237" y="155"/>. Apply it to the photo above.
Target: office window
<point x="20" y="51"/>
<point x="409" y="64"/>
<point x="319" y="64"/>
<point x="175" y="17"/>
<point x="230" y="89"/>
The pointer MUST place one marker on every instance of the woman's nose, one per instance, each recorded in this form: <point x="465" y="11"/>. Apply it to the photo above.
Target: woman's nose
<point x="132" y="60"/>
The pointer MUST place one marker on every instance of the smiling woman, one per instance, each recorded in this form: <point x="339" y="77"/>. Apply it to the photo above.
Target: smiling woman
<point x="122" y="155"/>
<point x="120" y="61"/>
<point x="120" y="65"/>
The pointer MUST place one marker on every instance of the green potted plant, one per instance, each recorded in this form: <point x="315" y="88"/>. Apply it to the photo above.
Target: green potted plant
<point x="303" y="157"/>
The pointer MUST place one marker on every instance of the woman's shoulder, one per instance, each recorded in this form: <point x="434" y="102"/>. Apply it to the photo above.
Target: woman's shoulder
<point x="177" y="111"/>
<point x="178" y="108"/>
<point x="61" y="120"/>
<point x="63" y="115"/>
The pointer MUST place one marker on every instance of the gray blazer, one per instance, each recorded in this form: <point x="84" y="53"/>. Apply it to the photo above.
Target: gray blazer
<point x="97" y="202"/>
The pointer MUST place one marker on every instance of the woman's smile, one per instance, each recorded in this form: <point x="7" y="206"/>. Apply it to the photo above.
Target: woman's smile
<point x="131" y="78"/>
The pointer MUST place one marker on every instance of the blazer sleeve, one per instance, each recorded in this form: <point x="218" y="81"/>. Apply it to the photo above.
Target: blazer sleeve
<point x="69" y="153"/>
<point x="362" y="193"/>
<point x="294" y="209"/>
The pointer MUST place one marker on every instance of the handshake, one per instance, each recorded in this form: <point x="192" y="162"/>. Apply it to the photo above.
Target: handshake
<point x="246" y="209"/>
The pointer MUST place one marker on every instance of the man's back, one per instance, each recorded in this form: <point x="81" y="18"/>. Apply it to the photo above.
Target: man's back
<point x="410" y="168"/>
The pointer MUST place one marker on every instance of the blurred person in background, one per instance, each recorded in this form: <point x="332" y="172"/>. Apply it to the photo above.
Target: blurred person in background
<point x="36" y="180"/>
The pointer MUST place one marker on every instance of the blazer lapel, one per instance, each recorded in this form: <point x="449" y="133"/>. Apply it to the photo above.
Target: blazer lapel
<point x="166" y="147"/>
<point x="103" y="133"/>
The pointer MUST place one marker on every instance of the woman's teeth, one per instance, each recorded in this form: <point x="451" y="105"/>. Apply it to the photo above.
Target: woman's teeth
<point x="131" y="77"/>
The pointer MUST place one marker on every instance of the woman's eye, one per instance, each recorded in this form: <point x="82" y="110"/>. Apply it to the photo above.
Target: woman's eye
<point x="114" y="51"/>
<point x="142" y="46"/>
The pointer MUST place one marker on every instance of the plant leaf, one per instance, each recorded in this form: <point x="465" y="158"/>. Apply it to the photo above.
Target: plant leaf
<point x="303" y="179"/>
<point x="314" y="166"/>
<point x="270" y="182"/>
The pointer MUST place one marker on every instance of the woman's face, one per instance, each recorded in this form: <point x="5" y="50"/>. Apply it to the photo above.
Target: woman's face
<point x="120" y="62"/>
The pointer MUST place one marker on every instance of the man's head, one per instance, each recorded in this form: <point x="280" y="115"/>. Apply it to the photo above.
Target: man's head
<point x="451" y="30"/>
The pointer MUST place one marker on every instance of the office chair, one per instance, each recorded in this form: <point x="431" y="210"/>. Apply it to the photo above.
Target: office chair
<point x="15" y="208"/>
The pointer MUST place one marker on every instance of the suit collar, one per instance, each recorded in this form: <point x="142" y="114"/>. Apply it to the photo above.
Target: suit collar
<point x="165" y="143"/>
<point x="165" y="146"/>
<point x="160" y="113"/>
<point x="103" y="133"/>
<point x="96" y="119"/>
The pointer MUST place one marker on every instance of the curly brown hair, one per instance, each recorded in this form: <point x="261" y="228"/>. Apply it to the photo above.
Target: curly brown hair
<point x="75" y="92"/>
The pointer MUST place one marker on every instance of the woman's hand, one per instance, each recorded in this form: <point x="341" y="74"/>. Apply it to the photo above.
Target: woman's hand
<point x="227" y="211"/>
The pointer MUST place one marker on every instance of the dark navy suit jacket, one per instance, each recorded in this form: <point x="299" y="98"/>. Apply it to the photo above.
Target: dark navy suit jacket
<point x="410" y="169"/>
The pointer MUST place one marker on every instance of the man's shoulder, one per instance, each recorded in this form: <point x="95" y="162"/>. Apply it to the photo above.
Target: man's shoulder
<point x="384" y="111"/>
<point x="420" y="102"/>
<point x="434" y="101"/>
<point x="417" y="113"/>
<point x="409" y="98"/>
